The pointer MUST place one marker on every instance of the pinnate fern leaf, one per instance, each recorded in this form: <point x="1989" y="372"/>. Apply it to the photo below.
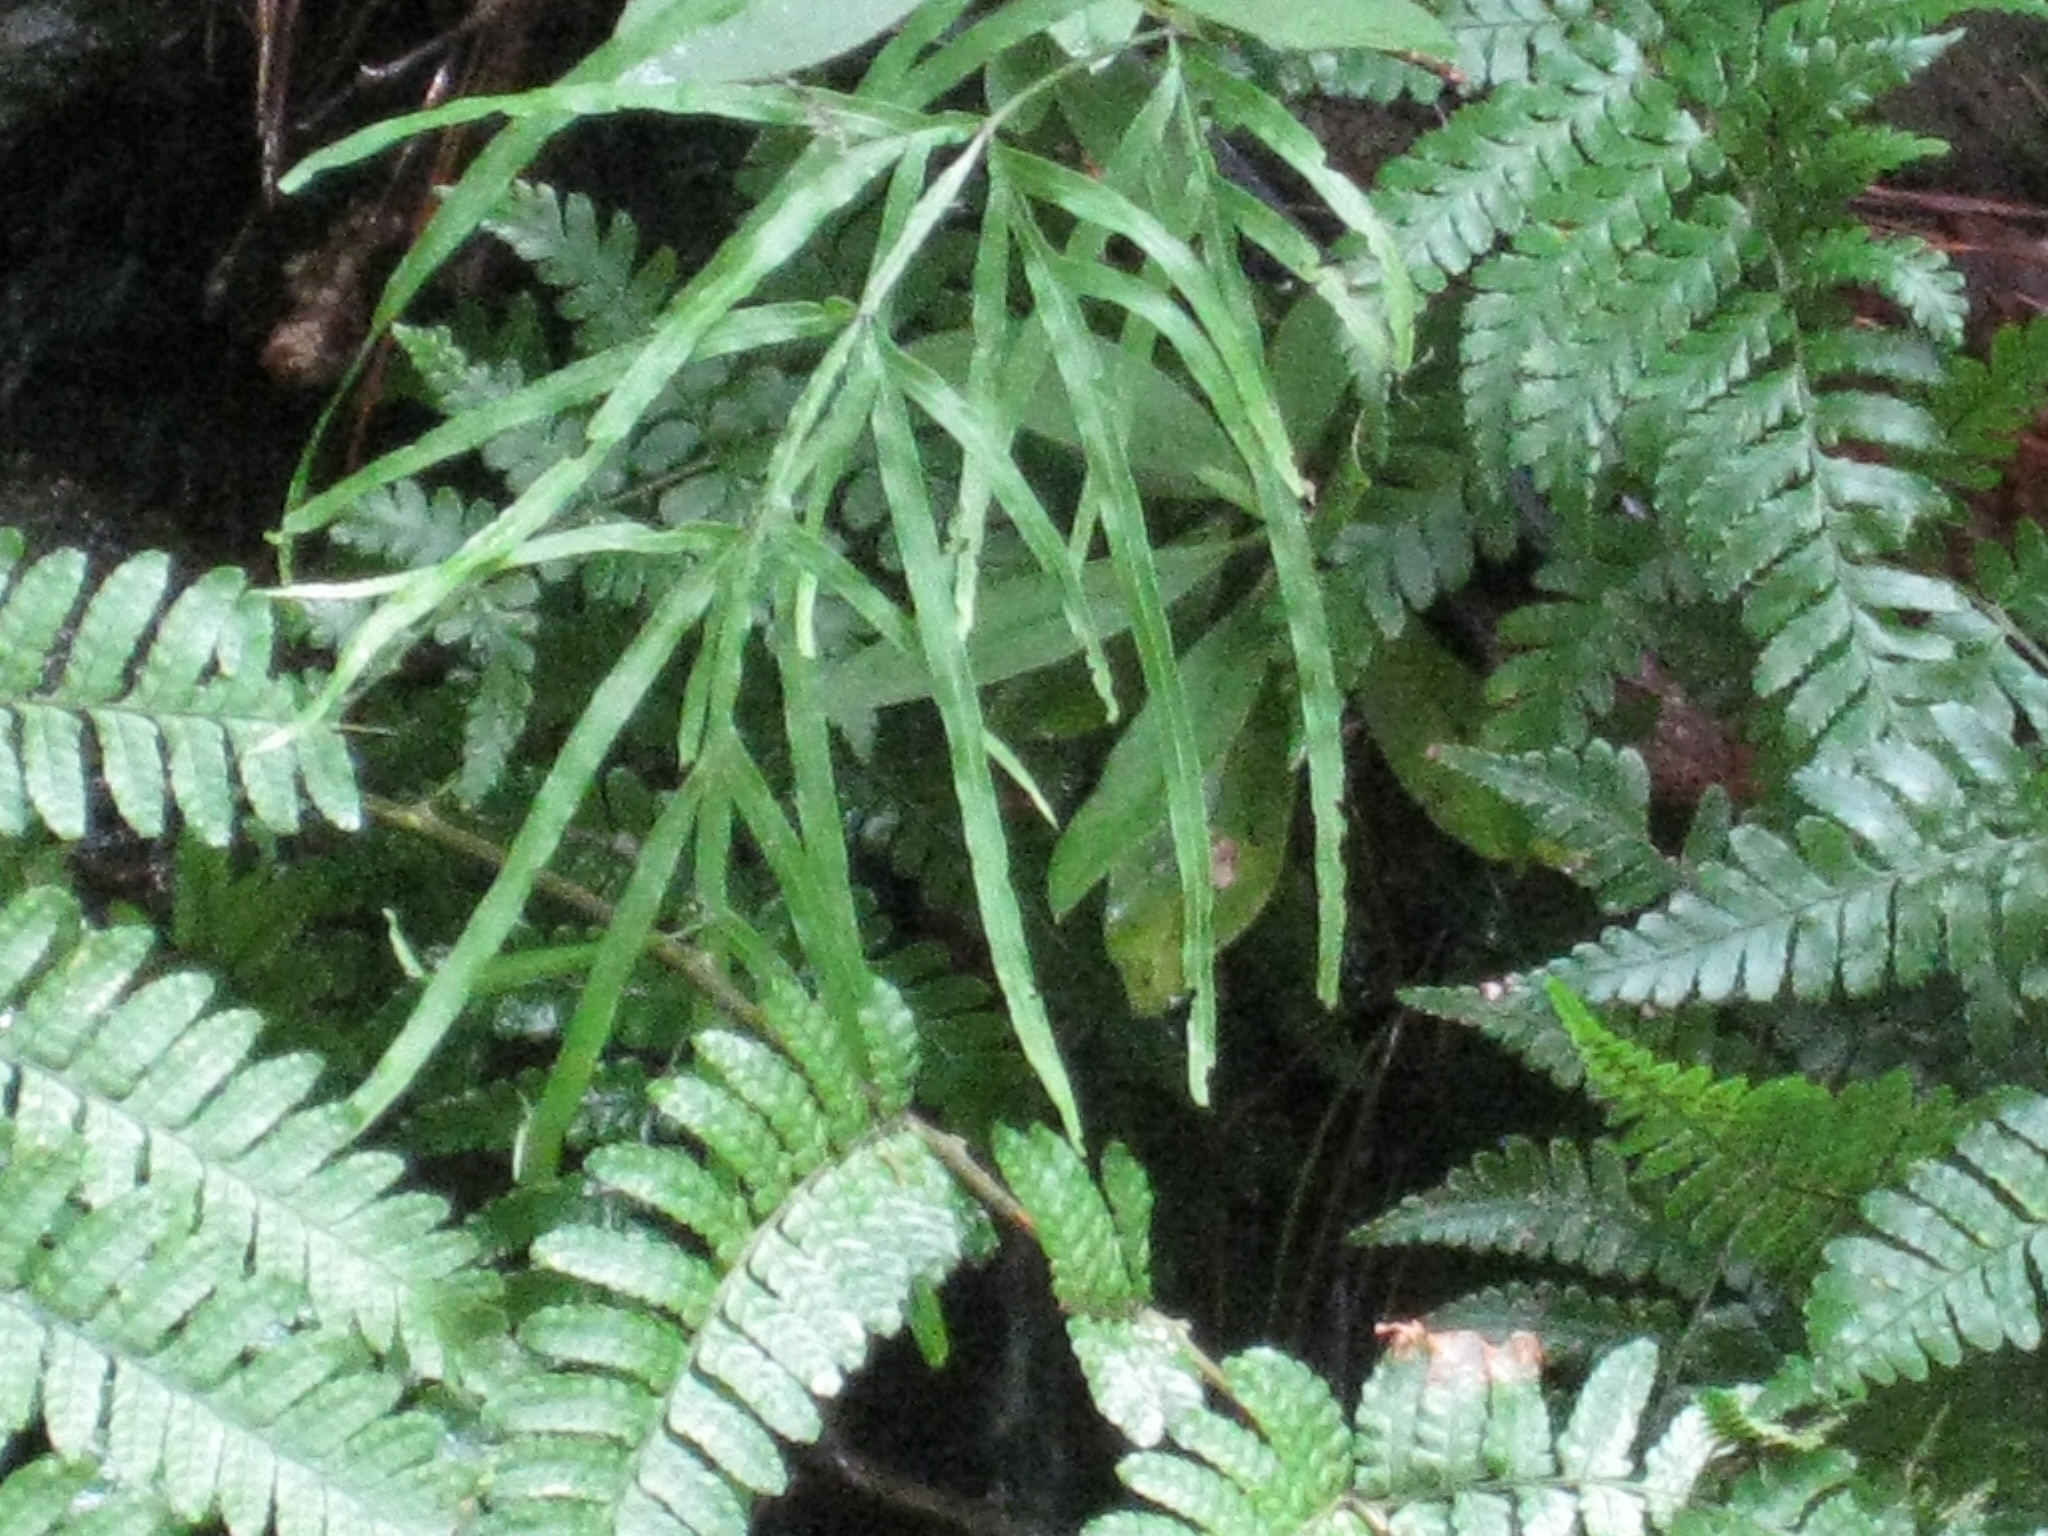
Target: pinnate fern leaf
<point x="781" y="1220"/>
<point x="1953" y="1259"/>
<point x="174" y="707"/>
<point x="1592" y="813"/>
<point x="162" y="1092"/>
<point x="592" y="263"/>
<point x="1769" y="1169"/>
<point x="136" y="1343"/>
<point x="1565" y="1203"/>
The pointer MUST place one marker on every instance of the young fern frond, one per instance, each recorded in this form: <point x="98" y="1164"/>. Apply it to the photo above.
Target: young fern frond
<point x="1769" y="1171"/>
<point x="174" y="708"/>
<point x="744" y="1275"/>
<point x="137" y="1345"/>
<point x="162" y="1093"/>
<point x="593" y="264"/>
<point x="1953" y="1260"/>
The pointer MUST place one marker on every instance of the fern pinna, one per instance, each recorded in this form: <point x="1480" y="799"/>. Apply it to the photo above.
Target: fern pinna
<point x="181" y="702"/>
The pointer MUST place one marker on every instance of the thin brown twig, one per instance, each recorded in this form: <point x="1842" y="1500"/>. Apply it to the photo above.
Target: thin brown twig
<point x="695" y="965"/>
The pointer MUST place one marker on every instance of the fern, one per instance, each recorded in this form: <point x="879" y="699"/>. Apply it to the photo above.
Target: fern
<point x="1591" y="809"/>
<point x="136" y="1343"/>
<point x="1770" y="1170"/>
<point x="1567" y="1204"/>
<point x="161" y="1094"/>
<point x="740" y="1283"/>
<point x="592" y="262"/>
<point x="1953" y="1260"/>
<point x="180" y="703"/>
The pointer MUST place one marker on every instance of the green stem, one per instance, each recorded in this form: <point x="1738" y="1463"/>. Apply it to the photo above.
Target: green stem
<point x="590" y="1027"/>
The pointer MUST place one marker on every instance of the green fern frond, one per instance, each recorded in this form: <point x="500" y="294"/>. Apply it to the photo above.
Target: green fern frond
<point x="748" y="1269"/>
<point x="1984" y="406"/>
<point x="1458" y="1426"/>
<point x="174" y="708"/>
<point x="1924" y="860"/>
<point x="162" y="1092"/>
<point x="1567" y="1204"/>
<point x="1097" y="1247"/>
<point x="1592" y="813"/>
<point x="1454" y="195"/>
<point x="136" y="1344"/>
<point x="602" y="286"/>
<point x="51" y="1496"/>
<point x="1954" y="1260"/>
<point x="1772" y="1169"/>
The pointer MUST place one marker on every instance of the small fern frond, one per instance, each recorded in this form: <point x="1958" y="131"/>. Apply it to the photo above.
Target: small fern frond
<point x="593" y="264"/>
<point x="1098" y="1248"/>
<point x="782" y="1219"/>
<point x="1591" y="808"/>
<point x="162" y="1092"/>
<point x="1954" y="1260"/>
<point x="137" y="1344"/>
<point x="174" y="708"/>
<point x="1984" y="406"/>
<point x="1565" y="1204"/>
<point x="1453" y="1430"/>
<point x="1770" y="1170"/>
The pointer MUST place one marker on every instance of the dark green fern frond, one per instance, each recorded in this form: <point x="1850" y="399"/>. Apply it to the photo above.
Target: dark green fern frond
<point x="1954" y="1260"/>
<point x="1984" y="406"/>
<point x="135" y="1344"/>
<point x="782" y="1217"/>
<point x="593" y="264"/>
<point x="1770" y="1170"/>
<point x="162" y="1092"/>
<point x="1566" y="1204"/>
<point x="174" y="708"/>
<point x="1592" y="814"/>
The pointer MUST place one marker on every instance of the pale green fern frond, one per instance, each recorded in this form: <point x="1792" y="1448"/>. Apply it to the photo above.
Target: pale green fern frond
<point x="136" y="1345"/>
<point x="51" y="1496"/>
<point x="782" y="1217"/>
<point x="162" y="1092"/>
<point x="1953" y="1260"/>
<point x="174" y="708"/>
<point x="1451" y="1434"/>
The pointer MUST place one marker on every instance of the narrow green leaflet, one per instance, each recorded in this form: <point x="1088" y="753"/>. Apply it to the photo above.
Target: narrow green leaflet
<point x="1306" y="25"/>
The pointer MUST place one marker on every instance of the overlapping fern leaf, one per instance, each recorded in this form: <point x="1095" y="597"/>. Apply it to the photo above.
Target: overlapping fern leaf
<point x="163" y="1093"/>
<point x="1766" y="1172"/>
<point x="1659" y="311"/>
<point x="782" y="1216"/>
<point x="210" y="1308"/>
<point x="1451" y="1433"/>
<point x="176" y="708"/>
<point x="1951" y="1261"/>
